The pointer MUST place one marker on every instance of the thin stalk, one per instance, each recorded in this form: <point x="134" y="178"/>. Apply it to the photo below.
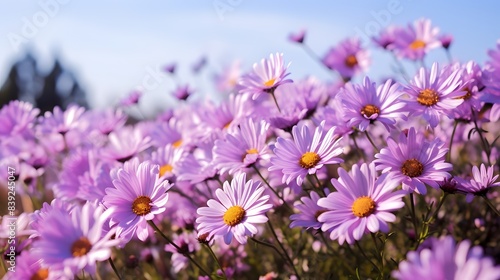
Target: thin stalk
<point x="216" y="259"/>
<point x="275" y="101"/>
<point x="371" y="141"/>
<point x="366" y="257"/>
<point x="282" y="248"/>
<point x="491" y="205"/>
<point x="319" y="184"/>
<point x="268" y="245"/>
<point x="451" y="140"/>
<point x="272" y="189"/>
<point x="358" y="150"/>
<point x="153" y="225"/>
<point x="413" y="215"/>
<point x="483" y="141"/>
<point x="114" y="268"/>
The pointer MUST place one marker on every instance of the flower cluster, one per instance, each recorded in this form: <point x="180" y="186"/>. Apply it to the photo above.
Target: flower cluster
<point x="304" y="178"/>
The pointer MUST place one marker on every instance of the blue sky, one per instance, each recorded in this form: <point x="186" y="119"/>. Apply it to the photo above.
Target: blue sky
<point x="112" y="46"/>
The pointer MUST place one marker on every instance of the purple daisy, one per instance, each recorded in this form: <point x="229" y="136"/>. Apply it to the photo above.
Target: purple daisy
<point x="483" y="179"/>
<point x="125" y="143"/>
<point x="306" y="153"/>
<point x="434" y="93"/>
<point x="31" y="267"/>
<point x="241" y="205"/>
<point x="387" y="37"/>
<point x="265" y="77"/>
<point x="446" y="260"/>
<point x="18" y="118"/>
<point x="137" y="196"/>
<point x="298" y="37"/>
<point x="61" y="122"/>
<point x="348" y="58"/>
<point x="364" y="104"/>
<point x="363" y="202"/>
<point x="227" y="81"/>
<point x="417" y="40"/>
<point x="309" y="212"/>
<point x="131" y="99"/>
<point x="414" y="161"/>
<point x="169" y="159"/>
<point x="243" y="148"/>
<point x="70" y="242"/>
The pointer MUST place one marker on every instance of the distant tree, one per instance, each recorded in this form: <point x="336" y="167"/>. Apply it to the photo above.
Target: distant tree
<point x="57" y="88"/>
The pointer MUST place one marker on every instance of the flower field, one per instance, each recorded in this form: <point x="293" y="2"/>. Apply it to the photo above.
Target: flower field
<point x="343" y="178"/>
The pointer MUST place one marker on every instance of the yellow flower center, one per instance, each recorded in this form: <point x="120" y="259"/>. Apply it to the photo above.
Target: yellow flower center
<point x="41" y="274"/>
<point x="412" y="168"/>
<point x="351" y="61"/>
<point x="165" y="168"/>
<point x="309" y="160"/>
<point x="80" y="247"/>
<point x="177" y="143"/>
<point x="363" y="206"/>
<point x="249" y="152"/>
<point x="369" y="110"/>
<point x="417" y="44"/>
<point x="141" y="205"/>
<point x="234" y="215"/>
<point x="428" y="97"/>
<point x="270" y="82"/>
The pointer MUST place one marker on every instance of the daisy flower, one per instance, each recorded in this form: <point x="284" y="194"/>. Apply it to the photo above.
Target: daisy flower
<point x="137" y="196"/>
<point x="61" y="122"/>
<point x="348" y="58"/>
<point x="70" y="242"/>
<point x="417" y="40"/>
<point x="241" y="205"/>
<point x="364" y="104"/>
<point x="414" y="161"/>
<point x="306" y="153"/>
<point x="481" y="182"/>
<point x="125" y="143"/>
<point x="265" y="77"/>
<point x="243" y="148"/>
<point x="443" y="259"/>
<point x="310" y="210"/>
<point x="363" y="202"/>
<point x="434" y="93"/>
<point x="18" y="118"/>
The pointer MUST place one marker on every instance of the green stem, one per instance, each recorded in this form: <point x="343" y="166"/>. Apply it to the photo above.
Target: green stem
<point x="216" y="259"/>
<point x="491" y="205"/>
<point x="153" y="225"/>
<point x="479" y="131"/>
<point x="275" y="101"/>
<point x="272" y="189"/>
<point x="282" y="248"/>
<point x="319" y="184"/>
<point x="451" y="140"/>
<point x="371" y="141"/>
<point x="379" y="251"/>
<point x="413" y="215"/>
<point x="267" y="245"/>
<point x="366" y="257"/>
<point x="114" y="268"/>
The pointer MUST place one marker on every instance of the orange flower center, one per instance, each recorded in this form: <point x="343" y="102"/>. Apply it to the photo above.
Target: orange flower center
<point x="309" y="160"/>
<point x="80" y="247"/>
<point x="165" y="168"/>
<point x="428" y="97"/>
<point x="417" y="44"/>
<point x="369" y="110"/>
<point x="141" y="205"/>
<point x="412" y="168"/>
<point x="351" y="61"/>
<point x="234" y="215"/>
<point x="363" y="206"/>
<point x="270" y="82"/>
<point x="177" y="143"/>
<point x="41" y="274"/>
